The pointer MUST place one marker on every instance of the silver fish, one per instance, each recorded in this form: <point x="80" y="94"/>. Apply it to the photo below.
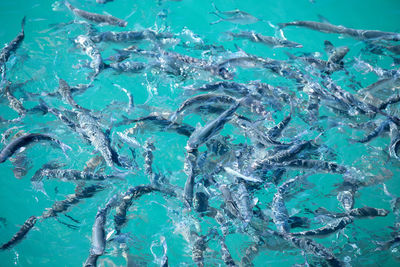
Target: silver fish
<point x="203" y="134"/>
<point x="12" y="46"/>
<point x="267" y="40"/>
<point x="91" y="50"/>
<point x="357" y="34"/>
<point x="98" y="18"/>
<point x="235" y="16"/>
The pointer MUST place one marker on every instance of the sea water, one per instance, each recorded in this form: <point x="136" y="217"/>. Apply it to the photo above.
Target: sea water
<point x="48" y="52"/>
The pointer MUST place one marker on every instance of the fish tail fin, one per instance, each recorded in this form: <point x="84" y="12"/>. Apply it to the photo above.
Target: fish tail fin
<point x="386" y="192"/>
<point x="43" y="106"/>
<point x="173" y="117"/>
<point x="216" y="14"/>
<point x="291" y="56"/>
<point x="216" y="8"/>
<point x="323" y="19"/>
<point x="216" y="22"/>
<point x="281" y="25"/>
<point x="23" y="23"/>
<point x="70" y="7"/>
<point x="160" y="183"/>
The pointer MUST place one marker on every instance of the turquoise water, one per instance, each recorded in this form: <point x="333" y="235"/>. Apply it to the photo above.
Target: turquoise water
<point x="48" y="52"/>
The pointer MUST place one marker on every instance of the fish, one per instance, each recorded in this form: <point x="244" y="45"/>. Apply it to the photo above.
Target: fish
<point x="357" y="34"/>
<point x="160" y="123"/>
<point x="230" y="204"/>
<point x="203" y="134"/>
<point x="81" y="192"/>
<point x="97" y="138"/>
<point x="280" y="215"/>
<point x="276" y="131"/>
<point x="235" y="16"/>
<point x="148" y="157"/>
<point x="103" y="1"/>
<point x="97" y="18"/>
<point x="346" y="198"/>
<point x="128" y="66"/>
<point x="258" y="134"/>
<point x="190" y="168"/>
<point x="336" y="54"/>
<point x="309" y="246"/>
<point x="89" y="47"/>
<point x="391" y="100"/>
<point x="203" y="99"/>
<point x="226" y="255"/>
<point x="14" y="103"/>
<point x="318" y="165"/>
<point x="74" y="175"/>
<point x="12" y="46"/>
<point x="164" y="259"/>
<point x="98" y="242"/>
<point x="65" y="92"/>
<point x="131" y="194"/>
<point x="92" y="164"/>
<point x="230" y="88"/>
<point x="200" y="202"/>
<point x="267" y="40"/>
<point x="198" y="249"/>
<point x="244" y="203"/>
<point x="25" y="140"/>
<point x="394" y="146"/>
<point x="364" y="212"/>
<point x="23" y="231"/>
<point x="282" y="155"/>
<point x="383" y="127"/>
<point x="328" y="229"/>
<point x="130" y="36"/>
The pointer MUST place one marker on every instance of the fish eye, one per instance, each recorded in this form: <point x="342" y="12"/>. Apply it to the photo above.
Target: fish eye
<point x="225" y="74"/>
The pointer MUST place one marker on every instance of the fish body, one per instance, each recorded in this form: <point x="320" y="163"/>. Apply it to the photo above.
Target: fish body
<point x="25" y="140"/>
<point x="97" y="18"/>
<point x="129" y="36"/>
<point x="160" y="123"/>
<point x="14" y="103"/>
<point x="280" y="215"/>
<point x="97" y="138"/>
<point x="203" y="134"/>
<point x="12" y="46"/>
<point x="244" y="203"/>
<point x="204" y="99"/>
<point x="74" y="175"/>
<point x="394" y="147"/>
<point x="190" y="169"/>
<point x="309" y="246"/>
<point x="121" y="210"/>
<point x="128" y="66"/>
<point x="234" y="16"/>
<point x="91" y="50"/>
<point x="357" y="34"/>
<point x="267" y="40"/>
<point x="65" y="91"/>
<point x="26" y="227"/>
<point x="328" y="229"/>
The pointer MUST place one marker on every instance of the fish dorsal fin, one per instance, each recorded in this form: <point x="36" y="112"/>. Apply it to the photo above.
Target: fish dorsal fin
<point x="323" y="19"/>
<point x="329" y="47"/>
<point x="240" y="50"/>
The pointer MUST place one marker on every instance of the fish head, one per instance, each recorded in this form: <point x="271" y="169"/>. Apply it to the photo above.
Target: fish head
<point x="200" y="202"/>
<point x="122" y="23"/>
<point x="225" y="74"/>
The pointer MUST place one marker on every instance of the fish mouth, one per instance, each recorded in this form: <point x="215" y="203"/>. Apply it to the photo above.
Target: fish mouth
<point x="19" y="172"/>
